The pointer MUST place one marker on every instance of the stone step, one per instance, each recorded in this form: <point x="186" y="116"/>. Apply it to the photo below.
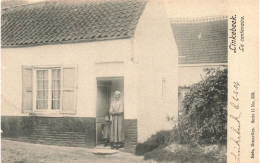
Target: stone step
<point x="100" y="151"/>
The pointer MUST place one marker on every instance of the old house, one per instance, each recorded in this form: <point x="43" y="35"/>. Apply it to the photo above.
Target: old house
<point x="202" y="43"/>
<point x="62" y="61"/>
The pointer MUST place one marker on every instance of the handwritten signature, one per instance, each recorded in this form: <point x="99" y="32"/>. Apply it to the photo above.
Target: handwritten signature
<point x="236" y="125"/>
<point x="236" y="138"/>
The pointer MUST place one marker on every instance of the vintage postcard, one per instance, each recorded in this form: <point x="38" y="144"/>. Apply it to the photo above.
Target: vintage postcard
<point x="130" y="81"/>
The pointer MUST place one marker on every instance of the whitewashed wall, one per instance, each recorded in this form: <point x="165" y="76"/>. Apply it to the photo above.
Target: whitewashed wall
<point x="85" y="55"/>
<point x="191" y="74"/>
<point x="156" y="56"/>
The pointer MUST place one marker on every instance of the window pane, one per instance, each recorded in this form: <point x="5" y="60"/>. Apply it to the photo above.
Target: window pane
<point x="42" y="84"/>
<point x="38" y="104"/>
<point x="45" y="74"/>
<point x="42" y="104"/>
<point x="42" y="94"/>
<point x="56" y="94"/>
<point x="39" y="84"/>
<point x="56" y="86"/>
<point x="45" y="84"/>
<point x="42" y="89"/>
<point x="56" y="74"/>
<point x="39" y="74"/>
<point x="45" y="104"/>
<point x="55" y="104"/>
<point x="42" y="74"/>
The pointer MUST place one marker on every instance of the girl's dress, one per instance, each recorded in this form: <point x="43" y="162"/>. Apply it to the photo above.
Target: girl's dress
<point x="106" y="130"/>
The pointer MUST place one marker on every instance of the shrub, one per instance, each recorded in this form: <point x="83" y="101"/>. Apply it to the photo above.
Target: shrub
<point x="159" y="140"/>
<point x="205" y="118"/>
<point x="180" y="155"/>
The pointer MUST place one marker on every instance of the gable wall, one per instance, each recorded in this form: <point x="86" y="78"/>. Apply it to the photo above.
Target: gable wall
<point x="191" y="74"/>
<point x="156" y="56"/>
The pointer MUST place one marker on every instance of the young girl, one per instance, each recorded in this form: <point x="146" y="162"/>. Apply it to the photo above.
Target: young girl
<point x="106" y="130"/>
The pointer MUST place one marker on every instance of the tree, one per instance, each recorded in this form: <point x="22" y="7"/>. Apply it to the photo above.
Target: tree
<point x="205" y="105"/>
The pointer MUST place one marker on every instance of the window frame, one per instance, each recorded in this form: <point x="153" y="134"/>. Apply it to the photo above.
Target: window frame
<point x="49" y="109"/>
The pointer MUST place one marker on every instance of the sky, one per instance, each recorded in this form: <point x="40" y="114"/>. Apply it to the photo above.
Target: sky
<point x="184" y="8"/>
<point x="196" y="8"/>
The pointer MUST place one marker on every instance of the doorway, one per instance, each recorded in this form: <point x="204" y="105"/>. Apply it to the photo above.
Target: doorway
<point x="105" y="90"/>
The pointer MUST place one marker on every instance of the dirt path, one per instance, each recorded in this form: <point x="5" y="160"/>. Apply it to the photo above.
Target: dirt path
<point x="21" y="152"/>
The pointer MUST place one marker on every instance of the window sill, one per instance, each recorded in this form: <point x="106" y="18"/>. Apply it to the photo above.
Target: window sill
<point x="56" y="113"/>
<point x="47" y="114"/>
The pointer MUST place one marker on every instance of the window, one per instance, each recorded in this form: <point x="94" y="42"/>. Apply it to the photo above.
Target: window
<point x="49" y="89"/>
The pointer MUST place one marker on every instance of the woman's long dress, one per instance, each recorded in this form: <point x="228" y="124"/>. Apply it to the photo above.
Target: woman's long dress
<point x="117" y="133"/>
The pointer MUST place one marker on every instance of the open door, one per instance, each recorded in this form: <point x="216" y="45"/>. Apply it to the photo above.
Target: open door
<point x="105" y="89"/>
<point x="103" y="103"/>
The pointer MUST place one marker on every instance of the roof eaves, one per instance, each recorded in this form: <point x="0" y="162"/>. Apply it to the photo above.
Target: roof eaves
<point x="23" y="5"/>
<point x="189" y="20"/>
<point x="66" y="42"/>
<point x="203" y="63"/>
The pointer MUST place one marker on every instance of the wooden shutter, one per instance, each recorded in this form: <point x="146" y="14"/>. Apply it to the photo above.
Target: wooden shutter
<point x="69" y="92"/>
<point x="27" y="89"/>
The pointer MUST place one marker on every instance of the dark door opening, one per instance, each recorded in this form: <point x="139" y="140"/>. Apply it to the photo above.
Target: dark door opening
<point x="105" y="89"/>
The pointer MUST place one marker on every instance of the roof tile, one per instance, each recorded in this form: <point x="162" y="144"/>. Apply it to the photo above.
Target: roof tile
<point x="54" y="22"/>
<point x="202" y="42"/>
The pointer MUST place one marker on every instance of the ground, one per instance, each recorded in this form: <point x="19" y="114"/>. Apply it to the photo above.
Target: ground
<point x="20" y="152"/>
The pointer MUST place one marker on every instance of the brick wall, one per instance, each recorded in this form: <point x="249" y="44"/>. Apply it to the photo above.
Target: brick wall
<point x="65" y="131"/>
<point x="130" y="131"/>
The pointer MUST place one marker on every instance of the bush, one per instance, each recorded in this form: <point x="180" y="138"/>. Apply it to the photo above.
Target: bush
<point x="205" y="118"/>
<point x="159" y="140"/>
<point x="182" y="155"/>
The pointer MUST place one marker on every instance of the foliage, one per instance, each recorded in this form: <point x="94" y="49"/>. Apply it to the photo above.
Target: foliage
<point x="159" y="140"/>
<point x="182" y="155"/>
<point x="205" y="105"/>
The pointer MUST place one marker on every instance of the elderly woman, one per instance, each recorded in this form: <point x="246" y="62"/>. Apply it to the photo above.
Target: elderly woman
<point x="116" y="111"/>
